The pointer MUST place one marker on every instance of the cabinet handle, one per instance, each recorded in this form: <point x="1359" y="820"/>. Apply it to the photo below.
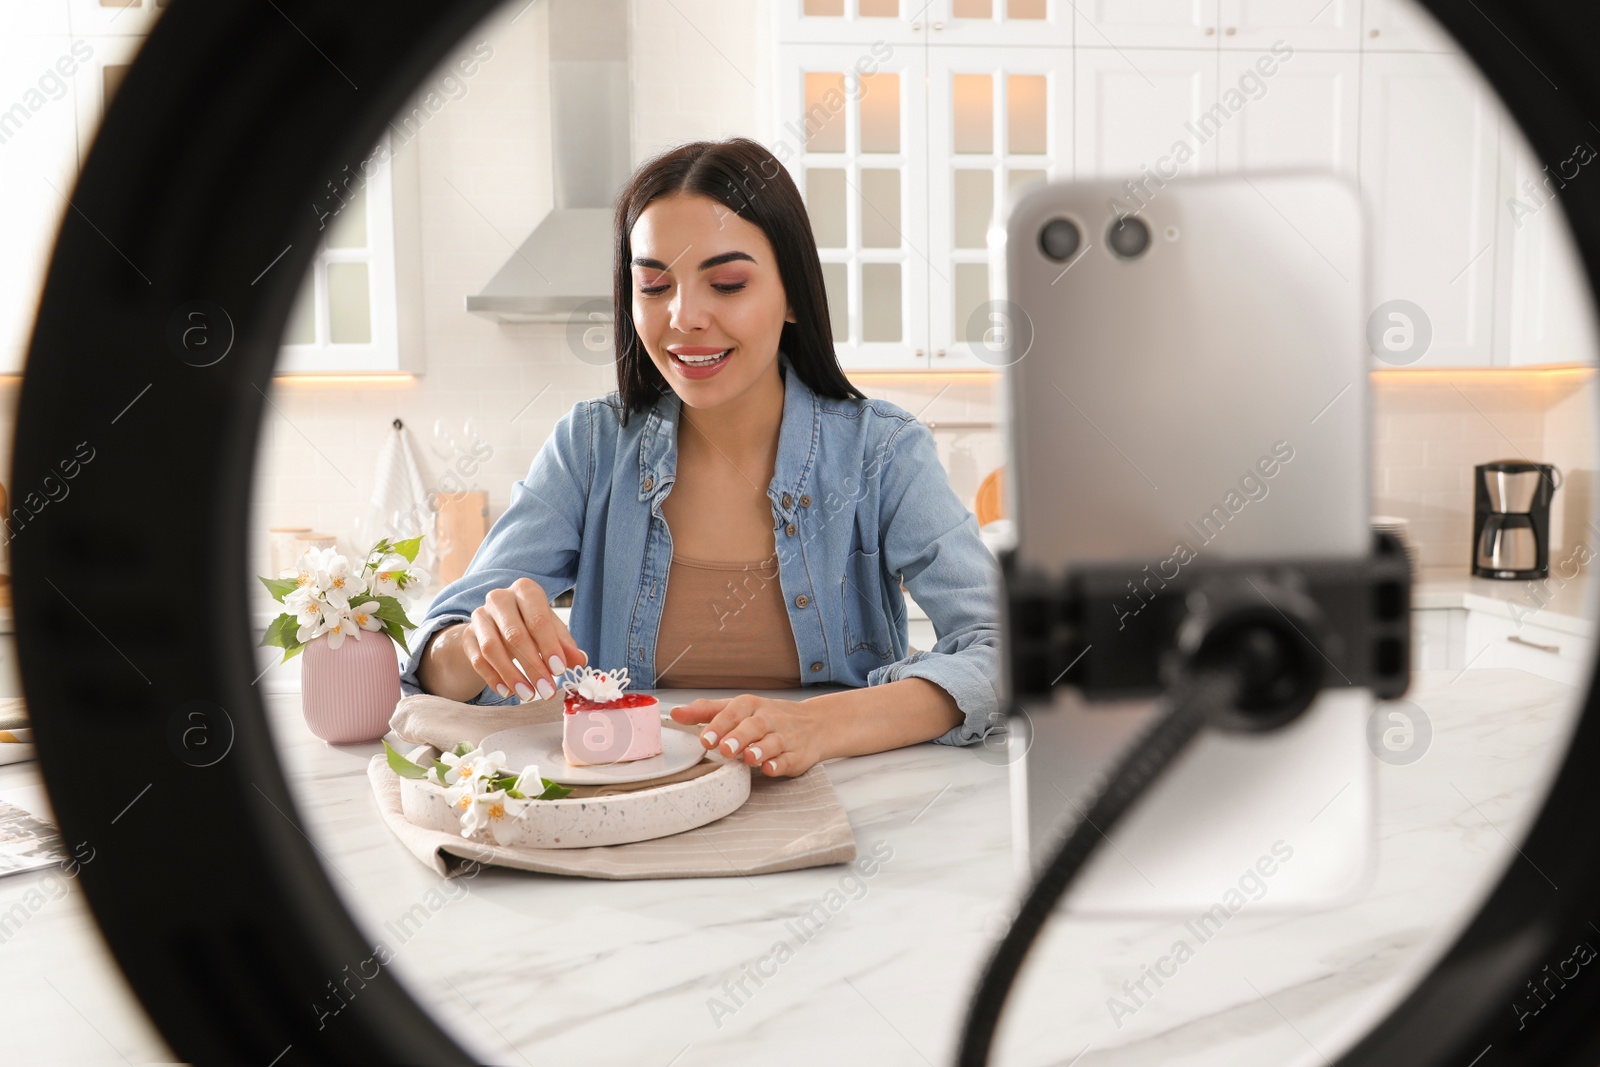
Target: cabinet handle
<point x="1231" y="30"/>
<point x="938" y="25"/>
<point x="1210" y="30"/>
<point x="919" y="353"/>
<point x="1514" y="639"/>
<point x="1372" y="33"/>
<point x="939" y="352"/>
<point x="916" y="26"/>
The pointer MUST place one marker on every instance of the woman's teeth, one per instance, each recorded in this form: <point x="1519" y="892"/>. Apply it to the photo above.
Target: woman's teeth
<point x="702" y="361"/>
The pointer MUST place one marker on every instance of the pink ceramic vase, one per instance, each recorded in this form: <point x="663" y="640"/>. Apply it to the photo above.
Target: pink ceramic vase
<point x="348" y="693"/>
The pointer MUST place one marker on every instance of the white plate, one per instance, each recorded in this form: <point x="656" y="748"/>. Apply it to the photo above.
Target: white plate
<point x="540" y="744"/>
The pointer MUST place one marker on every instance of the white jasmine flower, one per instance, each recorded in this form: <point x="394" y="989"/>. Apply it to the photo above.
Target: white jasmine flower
<point x="340" y="626"/>
<point x="365" y="616"/>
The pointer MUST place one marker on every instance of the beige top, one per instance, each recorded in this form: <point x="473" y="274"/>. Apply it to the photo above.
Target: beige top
<point x="725" y="626"/>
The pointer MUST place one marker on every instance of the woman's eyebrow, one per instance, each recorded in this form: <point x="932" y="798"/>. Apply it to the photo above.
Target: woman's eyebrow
<point x="705" y="264"/>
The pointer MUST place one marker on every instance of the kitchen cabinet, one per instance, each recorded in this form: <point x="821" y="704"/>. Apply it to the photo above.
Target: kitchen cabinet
<point x="1254" y="25"/>
<point x="998" y="118"/>
<point x="1142" y="24"/>
<point x="857" y="133"/>
<point x="1544" y="304"/>
<point x="1430" y="155"/>
<point x="1493" y="640"/>
<point x="1438" y="638"/>
<point x="1401" y="26"/>
<point x="1303" y="117"/>
<point x="1372" y="90"/>
<point x="1027" y="23"/>
<point x="852" y="22"/>
<point x="1132" y="108"/>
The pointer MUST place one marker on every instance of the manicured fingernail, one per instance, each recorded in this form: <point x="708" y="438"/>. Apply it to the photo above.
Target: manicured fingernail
<point x="502" y="690"/>
<point x="545" y="689"/>
<point x="732" y="745"/>
<point x="709" y="738"/>
<point x="756" y="752"/>
<point x="557" y="666"/>
<point x="523" y="692"/>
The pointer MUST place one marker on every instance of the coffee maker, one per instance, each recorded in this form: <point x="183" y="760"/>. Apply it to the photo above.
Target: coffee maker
<point x="1511" y="518"/>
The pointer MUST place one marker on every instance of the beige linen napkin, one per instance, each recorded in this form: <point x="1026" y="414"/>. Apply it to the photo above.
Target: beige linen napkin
<point x="787" y="824"/>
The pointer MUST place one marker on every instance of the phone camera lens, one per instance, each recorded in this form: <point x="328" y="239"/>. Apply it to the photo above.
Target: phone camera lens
<point x="1060" y="239"/>
<point x="1128" y="237"/>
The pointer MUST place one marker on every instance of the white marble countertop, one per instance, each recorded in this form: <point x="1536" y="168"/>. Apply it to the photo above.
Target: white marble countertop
<point x="1566" y="605"/>
<point x="646" y="972"/>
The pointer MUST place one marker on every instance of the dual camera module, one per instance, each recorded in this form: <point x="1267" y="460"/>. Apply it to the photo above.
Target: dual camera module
<point x="1127" y="236"/>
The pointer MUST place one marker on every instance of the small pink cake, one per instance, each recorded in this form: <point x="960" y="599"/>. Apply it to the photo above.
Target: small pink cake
<point x="603" y="724"/>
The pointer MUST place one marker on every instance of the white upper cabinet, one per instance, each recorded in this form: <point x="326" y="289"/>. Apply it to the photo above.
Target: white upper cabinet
<point x="1429" y="165"/>
<point x="998" y="119"/>
<point x="1029" y="23"/>
<point x="1550" y="318"/>
<point x="1297" y="110"/>
<point x="853" y="22"/>
<point x="1147" y="23"/>
<point x="1402" y="26"/>
<point x="861" y="168"/>
<point x="1324" y="25"/>
<point x="1145" y="114"/>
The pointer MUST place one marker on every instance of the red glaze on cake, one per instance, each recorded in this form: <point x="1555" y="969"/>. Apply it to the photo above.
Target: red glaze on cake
<point x="603" y="724"/>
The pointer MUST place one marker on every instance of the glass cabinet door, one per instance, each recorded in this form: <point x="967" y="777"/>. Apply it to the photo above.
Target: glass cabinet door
<point x="1003" y="121"/>
<point x="853" y="22"/>
<point x="1029" y="23"/>
<point x="852" y="143"/>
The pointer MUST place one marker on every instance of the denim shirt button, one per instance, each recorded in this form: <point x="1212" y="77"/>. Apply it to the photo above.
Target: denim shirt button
<point x="789" y="529"/>
<point x="801" y="601"/>
<point x="805" y="500"/>
<point x="788" y="501"/>
<point x="815" y="667"/>
<point x="649" y="484"/>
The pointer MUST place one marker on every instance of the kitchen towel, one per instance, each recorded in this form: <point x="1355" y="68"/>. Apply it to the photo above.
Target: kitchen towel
<point x="787" y="824"/>
<point x="399" y="507"/>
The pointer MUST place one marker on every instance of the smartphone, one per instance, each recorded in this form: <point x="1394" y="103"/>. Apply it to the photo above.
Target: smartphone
<point x="1186" y="380"/>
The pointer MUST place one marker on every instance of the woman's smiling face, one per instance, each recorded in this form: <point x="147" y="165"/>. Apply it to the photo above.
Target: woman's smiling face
<point x="705" y="283"/>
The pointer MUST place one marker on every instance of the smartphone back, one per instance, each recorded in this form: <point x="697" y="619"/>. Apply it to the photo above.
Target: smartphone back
<point x="1203" y="399"/>
<point x="1169" y="394"/>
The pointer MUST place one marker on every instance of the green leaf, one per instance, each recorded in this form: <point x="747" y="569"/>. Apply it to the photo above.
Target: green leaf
<point x="408" y="548"/>
<point x="400" y="765"/>
<point x="462" y="748"/>
<point x="280" y="587"/>
<point x="552" y="791"/>
<point x="391" y="610"/>
<point x="392" y="628"/>
<point x="442" y="769"/>
<point x="282" y="633"/>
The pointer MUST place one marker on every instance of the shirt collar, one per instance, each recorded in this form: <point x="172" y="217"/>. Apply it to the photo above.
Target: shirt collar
<point x="797" y="440"/>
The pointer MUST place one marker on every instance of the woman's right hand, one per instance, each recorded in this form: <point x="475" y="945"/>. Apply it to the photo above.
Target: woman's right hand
<point x="518" y="624"/>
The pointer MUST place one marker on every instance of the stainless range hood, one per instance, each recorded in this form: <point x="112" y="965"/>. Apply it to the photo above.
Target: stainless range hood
<point x="565" y="264"/>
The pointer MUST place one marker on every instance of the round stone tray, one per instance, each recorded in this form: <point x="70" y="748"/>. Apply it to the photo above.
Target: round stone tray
<point x="603" y="820"/>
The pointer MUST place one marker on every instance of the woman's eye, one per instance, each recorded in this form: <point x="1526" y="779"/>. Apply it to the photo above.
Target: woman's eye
<point x="729" y="288"/>
<point x="651" y="291"/>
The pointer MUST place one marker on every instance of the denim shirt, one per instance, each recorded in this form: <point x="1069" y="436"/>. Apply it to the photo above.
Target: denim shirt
<point x="859" y="500"/>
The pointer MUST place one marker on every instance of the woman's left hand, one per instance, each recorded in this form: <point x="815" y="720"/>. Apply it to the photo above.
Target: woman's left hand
<point x="782" y="737"/>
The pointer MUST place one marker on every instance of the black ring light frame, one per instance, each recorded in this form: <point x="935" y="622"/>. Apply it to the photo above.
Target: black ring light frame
<point x="232" y="120"/>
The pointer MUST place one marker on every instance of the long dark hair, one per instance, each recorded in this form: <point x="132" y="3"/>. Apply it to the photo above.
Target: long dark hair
<point x="751" y="183"/>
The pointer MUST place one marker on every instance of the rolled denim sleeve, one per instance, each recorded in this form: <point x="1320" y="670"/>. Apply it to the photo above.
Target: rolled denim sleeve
<point x="931" y="540"/>
<point x="538" y="537"/>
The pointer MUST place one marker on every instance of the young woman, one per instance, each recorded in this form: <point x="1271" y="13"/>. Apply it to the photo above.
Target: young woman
<point x="736" y="514"/>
